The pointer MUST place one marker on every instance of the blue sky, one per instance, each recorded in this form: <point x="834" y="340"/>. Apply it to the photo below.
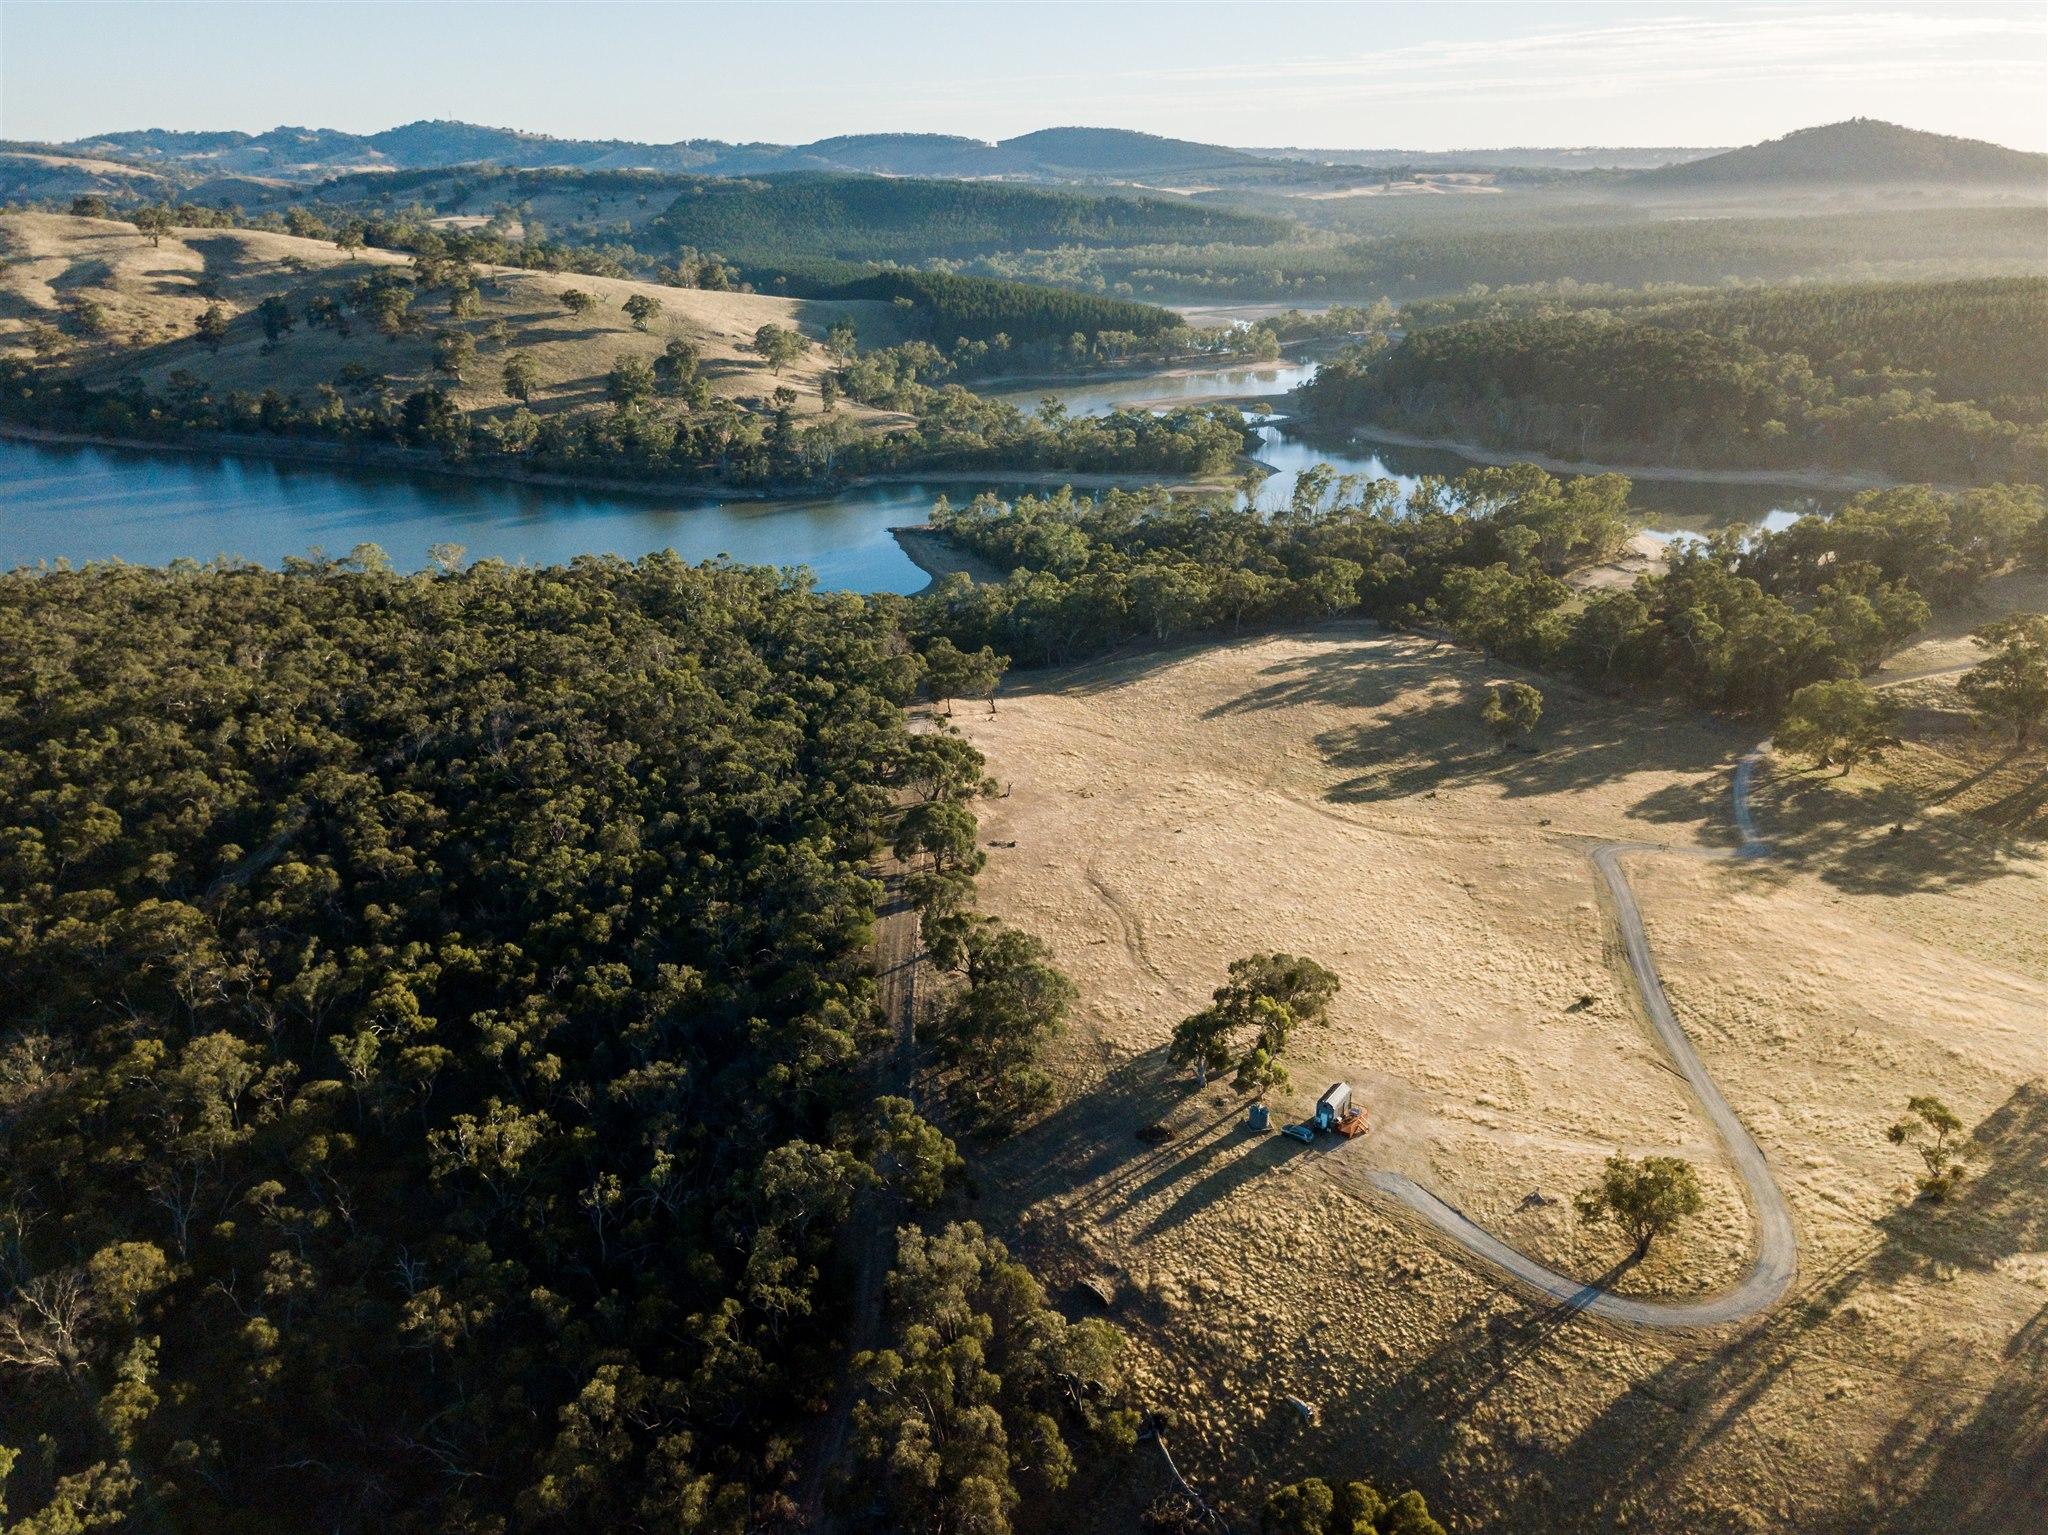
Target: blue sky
<point x="1420" y="76"/>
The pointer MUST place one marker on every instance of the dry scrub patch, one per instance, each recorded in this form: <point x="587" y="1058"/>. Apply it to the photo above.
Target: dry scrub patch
<point x="1330" y="793"/>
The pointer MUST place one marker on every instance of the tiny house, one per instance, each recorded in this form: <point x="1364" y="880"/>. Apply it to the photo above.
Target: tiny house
<point x="1333" y="1105"/>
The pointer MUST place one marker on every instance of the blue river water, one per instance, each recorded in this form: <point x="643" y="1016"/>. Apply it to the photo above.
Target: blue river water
<point x="88" y="503"/>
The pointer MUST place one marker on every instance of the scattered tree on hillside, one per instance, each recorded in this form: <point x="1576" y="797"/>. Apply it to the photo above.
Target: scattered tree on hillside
<point x="211" y="327"/>
<point x="91" y="316"/>
<point x="951" y="673"/>
<point x="88" y="205"/>
<point x="1511" y="712"/>
<point x="274" y="314"/>
<point x="454" y="352"/>
<point x="577" y="302"/>
<point x="521" y="376"/>
<point x="980" y="1389"/>
<point x="1933" y="1129"/>
<point x="779" y="345"/>
<point x="499" y="334"/>
<point x="349" y="238"/>
<point x="676" y="366"/>
<point x="155" y="222"/>
<point x="2010" y="687"/>
<point x="842" y="341"/>
<point x="1644" y="1199"/>
<point x="630" y="381"/>
<point x="1313" y="1507"/>
<point x="1253" y="1018"/>
<point x="828" y="393"/>
<point x="305" y="224"/>
<point x="1841" y="721"/>
<point x="640" y="308"/>
<point x="323" y="313"/>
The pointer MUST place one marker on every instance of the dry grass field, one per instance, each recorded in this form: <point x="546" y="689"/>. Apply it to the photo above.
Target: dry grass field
<point x="1330" y="793"/>
<point x="152" y="297"/>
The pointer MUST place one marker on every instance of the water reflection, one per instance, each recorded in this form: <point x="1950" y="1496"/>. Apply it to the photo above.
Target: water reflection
<point x="84" y="503"/>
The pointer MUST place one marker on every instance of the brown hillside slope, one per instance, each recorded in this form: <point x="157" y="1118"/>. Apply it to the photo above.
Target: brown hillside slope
<point x="153" y="295"/>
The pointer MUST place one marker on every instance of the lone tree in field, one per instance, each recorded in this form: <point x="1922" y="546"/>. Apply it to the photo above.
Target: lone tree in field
<point x="522" y="377"/>
<point x="1842" y="721"/>
<point x="1253" y="1017"/>
<point x="1511" y="712"/>
<point x="1645" y="1199"/>
<point x="1933" y="1129"/>
<point x="211" y="327"/>
<point x="153" y="222"/>
<point x="577" y="302"/>
<point x="349" y="238"/>
<point x="274" y="314"/>
<point x="2010" y="687"/>
<point x="640" y="308"/>
<point x="779" y="345"/>
<point x="951" y="673"/>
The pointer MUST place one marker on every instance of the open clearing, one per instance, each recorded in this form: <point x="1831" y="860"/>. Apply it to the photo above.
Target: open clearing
<point x="1329" y="793"/>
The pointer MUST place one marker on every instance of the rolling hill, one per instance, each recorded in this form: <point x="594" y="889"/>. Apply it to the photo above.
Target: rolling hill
<point x="315" y="153"/>
<point x="1862" y="154"/>
<point x="127" y="308"/>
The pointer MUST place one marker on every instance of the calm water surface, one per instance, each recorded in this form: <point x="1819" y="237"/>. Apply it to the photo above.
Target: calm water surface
<point x="84" y="504"/>
<point x="79" y="504"/>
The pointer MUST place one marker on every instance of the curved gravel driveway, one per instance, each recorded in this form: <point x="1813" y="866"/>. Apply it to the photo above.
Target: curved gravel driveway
<point x="1778" y="1245"/>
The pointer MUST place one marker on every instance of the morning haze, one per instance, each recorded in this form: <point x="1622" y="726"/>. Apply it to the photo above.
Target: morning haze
<point x="979" y="768"/>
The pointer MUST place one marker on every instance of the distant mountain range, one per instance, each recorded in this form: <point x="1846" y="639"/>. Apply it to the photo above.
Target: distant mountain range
<point x="310" y="153"/>
<point x="1861" y="154"/>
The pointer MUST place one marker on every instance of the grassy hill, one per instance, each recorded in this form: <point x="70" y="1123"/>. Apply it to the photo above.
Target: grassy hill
<point x="1118" y="151"/>
<point x="128" y="309"/>
<point x="1861" y="154"/>
<point x="33" y="173"/>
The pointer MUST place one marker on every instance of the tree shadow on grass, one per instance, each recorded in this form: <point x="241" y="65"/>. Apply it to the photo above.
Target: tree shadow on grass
<point x="1244" y="1157"/>
<point x="1441" y="746"/>
<point x="1088" y="1147"/>
<point x="1842" y="834"/>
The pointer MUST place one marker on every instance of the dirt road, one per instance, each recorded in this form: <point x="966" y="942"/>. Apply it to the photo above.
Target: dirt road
<point x="1778" y="1244"/>
<point x="898" y="951"/>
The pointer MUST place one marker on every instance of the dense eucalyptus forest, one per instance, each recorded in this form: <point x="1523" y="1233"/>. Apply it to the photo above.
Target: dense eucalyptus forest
<point x="1916" y="381"/>
<point x="1738" y="622"/>
<point x="431" y="1094"/>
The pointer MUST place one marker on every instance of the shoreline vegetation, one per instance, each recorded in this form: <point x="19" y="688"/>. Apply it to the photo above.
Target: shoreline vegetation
<point x="390" y="458"/>
<point x="1916" y="383"/>
<point x="1680" y="474"/>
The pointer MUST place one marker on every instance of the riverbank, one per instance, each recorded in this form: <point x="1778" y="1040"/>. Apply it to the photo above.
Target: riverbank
<point x="1791" y="479"/>
<point x="939" y="556"/>
<point x="389" y="458"/>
